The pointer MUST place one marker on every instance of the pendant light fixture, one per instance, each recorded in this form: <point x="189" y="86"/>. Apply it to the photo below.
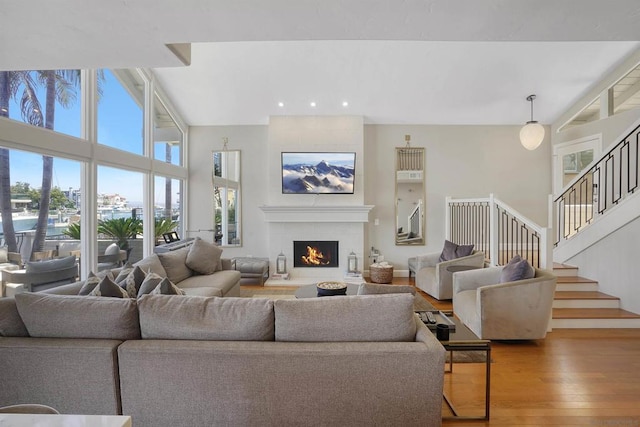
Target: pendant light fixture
<point x="532" y="134"/>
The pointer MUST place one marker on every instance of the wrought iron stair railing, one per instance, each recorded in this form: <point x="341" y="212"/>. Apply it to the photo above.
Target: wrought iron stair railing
<point x="498" y="230"/>
<point x="603" y="184"/>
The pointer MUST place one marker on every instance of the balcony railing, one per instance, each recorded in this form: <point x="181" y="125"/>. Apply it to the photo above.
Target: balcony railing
<point x="498" y="230"/>
<point x="601" y="185"/>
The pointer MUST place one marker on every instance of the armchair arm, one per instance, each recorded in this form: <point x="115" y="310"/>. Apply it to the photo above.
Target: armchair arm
<point x="473" y="279"/>
<point x="40" y="278"/>
<point x="228" y="264"/>
<point x="426" y="260"/>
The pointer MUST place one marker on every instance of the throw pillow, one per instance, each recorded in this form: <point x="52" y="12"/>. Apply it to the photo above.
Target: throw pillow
<point x="150" y="282"/>
<point x="122" y="272"/>
<point x="203" y="257"/>
<point x="175" y="264"/>
<point x="4" y="254"/>
<point x="108" y="288"/>
<point x="90" y="284"/>
<point x="165" y="287"/>
<point x="516" y="269"/>
<point x="132" y="282"/>
<point x="50" y="265"/>
<point x="453" y="251"/>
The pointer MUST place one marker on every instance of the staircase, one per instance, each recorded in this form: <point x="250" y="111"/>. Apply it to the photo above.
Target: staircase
<point x="579" y="304"/>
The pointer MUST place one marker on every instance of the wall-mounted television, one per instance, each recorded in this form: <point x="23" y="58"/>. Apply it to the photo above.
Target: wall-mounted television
<point x="318" y="173"/>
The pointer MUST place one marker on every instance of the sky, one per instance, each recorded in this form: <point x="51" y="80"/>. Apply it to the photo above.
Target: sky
<point x="120" y="125"/>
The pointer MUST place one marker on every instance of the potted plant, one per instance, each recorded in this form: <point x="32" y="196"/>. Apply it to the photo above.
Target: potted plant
<point x="121" y="230"/>
<point x="162" y="226"/>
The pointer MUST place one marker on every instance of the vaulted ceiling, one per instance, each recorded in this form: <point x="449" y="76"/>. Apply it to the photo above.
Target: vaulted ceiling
<point x="420" y="61"/>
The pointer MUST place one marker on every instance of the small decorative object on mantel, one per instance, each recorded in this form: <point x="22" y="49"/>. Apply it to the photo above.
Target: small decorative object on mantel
<point x="352" y="262"/>
<point x="281" y="264"/>
<point x="381" y="272"/>
<point x="326" y="289"/>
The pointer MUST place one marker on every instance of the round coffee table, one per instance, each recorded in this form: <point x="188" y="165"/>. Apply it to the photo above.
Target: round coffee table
<point x="310" y="291"/>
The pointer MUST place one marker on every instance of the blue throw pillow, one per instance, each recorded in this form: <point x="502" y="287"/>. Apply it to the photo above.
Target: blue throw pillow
<point x="516" y="269"/>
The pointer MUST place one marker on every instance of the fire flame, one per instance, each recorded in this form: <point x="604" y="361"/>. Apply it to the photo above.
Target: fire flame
<point x="314" y="257"/>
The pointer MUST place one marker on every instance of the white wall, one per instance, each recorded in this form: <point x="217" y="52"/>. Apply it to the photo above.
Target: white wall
<point x="461" y="161"/>
<point x="252" y="142"/>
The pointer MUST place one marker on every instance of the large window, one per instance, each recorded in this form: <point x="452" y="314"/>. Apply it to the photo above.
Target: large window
<point x="167" y="202"/>
<point x="120" y="206"/>
<point x="119" y="176"/>
<point x="120" y="110"/>
<point x="61" y="224"/>
<point x="47" y="98"/>
<point x="167" y="136"/>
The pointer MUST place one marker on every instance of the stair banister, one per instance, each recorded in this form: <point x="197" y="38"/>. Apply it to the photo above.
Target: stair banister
<point x="497" y="229"/>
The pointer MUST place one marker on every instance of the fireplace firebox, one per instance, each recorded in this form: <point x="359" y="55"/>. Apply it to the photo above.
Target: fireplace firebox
<point x="315" y="253"/>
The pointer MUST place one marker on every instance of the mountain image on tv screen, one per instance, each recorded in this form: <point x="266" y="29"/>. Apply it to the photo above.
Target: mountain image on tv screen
<point x="318" y="173"/>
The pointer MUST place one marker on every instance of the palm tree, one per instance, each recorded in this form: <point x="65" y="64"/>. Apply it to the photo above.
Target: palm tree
<point x="5" y="177"/>
<point x="9" y="82"/>
<point x="121" y="229"/>
<point x="59" y="86"/>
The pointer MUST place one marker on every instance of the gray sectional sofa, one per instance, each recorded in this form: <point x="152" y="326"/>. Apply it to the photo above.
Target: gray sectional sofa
<point x="195" y="361"/>
<point x="198" y="270"/>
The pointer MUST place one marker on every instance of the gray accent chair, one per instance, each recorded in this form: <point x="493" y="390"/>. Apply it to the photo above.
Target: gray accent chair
<point x="519" y="310"/>
<point x="433" y="277"/>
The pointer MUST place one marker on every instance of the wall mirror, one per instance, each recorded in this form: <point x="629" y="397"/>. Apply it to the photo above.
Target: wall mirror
<point x="226" y="198"/>
<point x="410" y="195"/>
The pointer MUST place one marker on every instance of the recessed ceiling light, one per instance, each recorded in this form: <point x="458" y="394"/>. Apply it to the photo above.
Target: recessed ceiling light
<point x="313" y="104"/>
<point x="280" y="104"/>
<point x="345" y="104"/>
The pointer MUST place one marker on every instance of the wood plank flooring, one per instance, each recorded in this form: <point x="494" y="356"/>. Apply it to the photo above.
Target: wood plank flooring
<point x="574" y="377"/>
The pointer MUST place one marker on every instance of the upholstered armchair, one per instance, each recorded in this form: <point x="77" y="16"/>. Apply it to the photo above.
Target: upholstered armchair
<point x="433" y="277"/>
<point x="518" y="310"/>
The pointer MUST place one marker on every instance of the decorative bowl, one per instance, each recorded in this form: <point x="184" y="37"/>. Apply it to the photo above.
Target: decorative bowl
<point x="326" y="289"/>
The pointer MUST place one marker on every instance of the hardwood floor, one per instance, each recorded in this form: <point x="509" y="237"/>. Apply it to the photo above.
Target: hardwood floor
<point x="574" y="377"/>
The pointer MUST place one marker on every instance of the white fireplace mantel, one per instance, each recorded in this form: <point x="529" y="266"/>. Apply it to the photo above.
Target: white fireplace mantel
<point x="334" y="213"/>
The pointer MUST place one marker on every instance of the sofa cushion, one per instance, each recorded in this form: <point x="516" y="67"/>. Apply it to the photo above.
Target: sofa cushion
<point x="376" y="289"/>
<point x="452" y="251"/>
<point x="516" y="269"/>
<point x="165" y="287"/>
<point x="11" y="324"/>
<point x="132" y="281"/>
<point x="108" y="288"/>
<point x="150" y="282"/>
<point x="151" y="263"/>
<point x="346" y="318"/>
<point x="71" y="316"/>
<point x="199" y="318"/>
<point x="91" y="282"/>
<point x="50" y="264"/>
<point x="203" y="257"/>
<point x="175" y="264"/>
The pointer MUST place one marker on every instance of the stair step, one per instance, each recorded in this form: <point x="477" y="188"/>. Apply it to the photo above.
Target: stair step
<point x="584" y="299"/>
<point x="576" y="283"/>
<point x="562" y="270"/>
<point x="594" y="318"/>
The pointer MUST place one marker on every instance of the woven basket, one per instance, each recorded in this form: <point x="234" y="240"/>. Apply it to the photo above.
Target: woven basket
<point x="381" y="274"/>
